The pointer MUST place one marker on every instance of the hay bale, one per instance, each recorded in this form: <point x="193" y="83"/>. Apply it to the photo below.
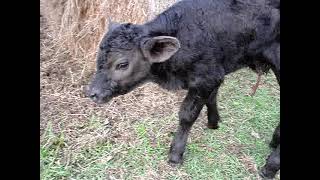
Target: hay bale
<point x="81" y="23"/>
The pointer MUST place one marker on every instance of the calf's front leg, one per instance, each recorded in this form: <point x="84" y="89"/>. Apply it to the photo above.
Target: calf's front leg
<point x="189" y="112"/>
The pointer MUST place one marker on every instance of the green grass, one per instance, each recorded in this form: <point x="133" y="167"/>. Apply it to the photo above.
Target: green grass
<point x="50" y="164"/>
<point x="235" y="151"/>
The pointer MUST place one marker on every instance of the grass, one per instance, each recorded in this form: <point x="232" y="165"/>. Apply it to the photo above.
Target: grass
<point x="235" y="151"/>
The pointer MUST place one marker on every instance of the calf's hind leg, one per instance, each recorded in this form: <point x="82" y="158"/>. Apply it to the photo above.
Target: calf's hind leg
<point x="275" y="138"/>
<point x="213" y="114"/>
<point x="272" y="166"/>
<point x="272" y="54"/>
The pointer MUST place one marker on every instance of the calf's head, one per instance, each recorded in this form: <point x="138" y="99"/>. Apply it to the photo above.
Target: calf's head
<point x="124" y="58"/>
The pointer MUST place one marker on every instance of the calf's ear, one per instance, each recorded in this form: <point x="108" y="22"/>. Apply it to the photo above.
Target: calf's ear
<point x="111" y="24"/>
<point x="159" y="48"/>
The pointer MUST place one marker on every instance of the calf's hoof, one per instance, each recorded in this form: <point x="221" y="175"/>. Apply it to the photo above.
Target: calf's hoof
<point x="175" y="159"/>
<point x="213" y="126"/>
<point x="266" y="175"/>
<point x="273" y="145"/>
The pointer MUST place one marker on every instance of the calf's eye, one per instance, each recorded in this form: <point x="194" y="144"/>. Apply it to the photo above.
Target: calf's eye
<point x="122" y="66"/>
